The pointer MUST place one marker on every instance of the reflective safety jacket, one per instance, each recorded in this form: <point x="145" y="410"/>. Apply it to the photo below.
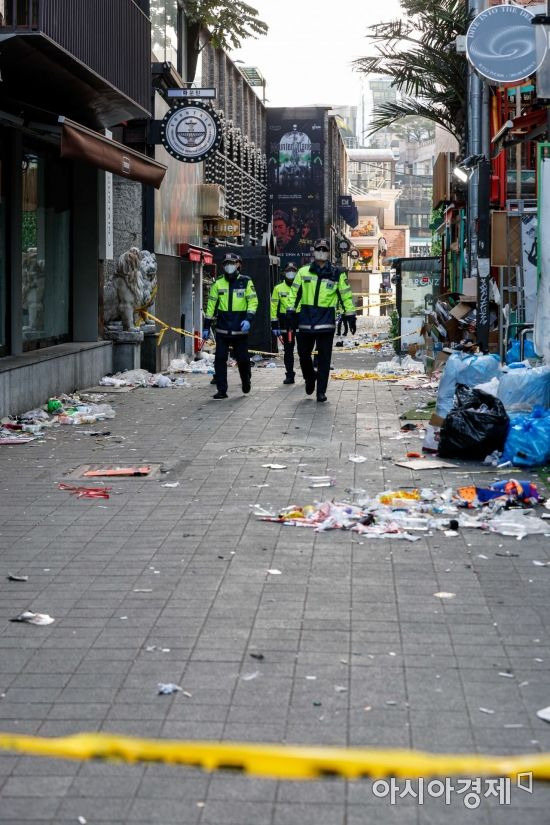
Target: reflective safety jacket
<point x="230" y="303"/>
<point x="317" y="293"/>
<point x="280" y="303"/>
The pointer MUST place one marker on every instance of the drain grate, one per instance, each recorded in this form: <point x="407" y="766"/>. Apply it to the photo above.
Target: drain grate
<point x="270" y="449"/>
<point x="143" y="471"/>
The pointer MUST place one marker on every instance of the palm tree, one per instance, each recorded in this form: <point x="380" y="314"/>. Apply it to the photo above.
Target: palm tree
<point x="419" y="55"/>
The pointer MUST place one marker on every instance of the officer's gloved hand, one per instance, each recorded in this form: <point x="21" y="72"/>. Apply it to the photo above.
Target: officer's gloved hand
<point x="275" y="328"/>
<point x="352" y="323"/>
<point x="205" y="334"/>
<point x="245" y="326"/>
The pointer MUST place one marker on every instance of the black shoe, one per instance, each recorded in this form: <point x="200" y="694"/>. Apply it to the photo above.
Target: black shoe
<point x="321" y="397"/>
<point x="213" y="381"/>
<point x="289" y="380"/>
<point x="310" y="384"/>
<point x="219" y="395"/>
<point x="246" y="385"/>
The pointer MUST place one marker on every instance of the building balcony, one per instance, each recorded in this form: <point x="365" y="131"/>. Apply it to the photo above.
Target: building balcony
<point x="89" y="61"/>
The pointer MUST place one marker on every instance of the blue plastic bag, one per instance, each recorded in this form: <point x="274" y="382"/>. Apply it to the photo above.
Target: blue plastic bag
<point x="520" y="390"/>
<point x="463" y="369"/>
<point x="513" y="354"/>
<point x="528" y="440"/>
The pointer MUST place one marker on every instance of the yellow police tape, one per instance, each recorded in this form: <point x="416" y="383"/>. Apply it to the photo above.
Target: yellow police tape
<point x="352" y="375"/>
<point x="278" y="761"/>
<point x="337" y="351"/>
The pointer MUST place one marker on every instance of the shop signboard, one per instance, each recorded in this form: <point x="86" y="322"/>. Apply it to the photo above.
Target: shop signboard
<point x="501" y="44"/>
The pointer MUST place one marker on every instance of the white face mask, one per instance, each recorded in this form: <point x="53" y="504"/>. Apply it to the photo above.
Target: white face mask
<point x="290" y="276"/>
<point x="230" y="269"/>
<point x="320" y="255"/>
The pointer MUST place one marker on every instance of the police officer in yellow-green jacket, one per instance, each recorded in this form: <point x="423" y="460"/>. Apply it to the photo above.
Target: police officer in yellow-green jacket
<point x="317" y="291"/>
<point x="280" y="301"/>
<point x="232" y="302"/>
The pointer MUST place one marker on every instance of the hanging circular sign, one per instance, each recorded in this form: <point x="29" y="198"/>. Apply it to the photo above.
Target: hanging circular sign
<point x="354" y="254"/>
<point x="191" y="131"/>
<point x="500" y="44"/>
<point x="343" y="245"/>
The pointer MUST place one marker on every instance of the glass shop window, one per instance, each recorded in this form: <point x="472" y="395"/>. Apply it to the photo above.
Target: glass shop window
<point x="46" y="224"/>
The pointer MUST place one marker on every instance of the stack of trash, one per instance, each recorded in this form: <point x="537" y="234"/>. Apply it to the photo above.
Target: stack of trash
<point x="203" y="364"/>
<point x="485" y="409"/>
<point x="141" y="378"/>
<point x="505" y="507"/>
<point x="66" y="409"/>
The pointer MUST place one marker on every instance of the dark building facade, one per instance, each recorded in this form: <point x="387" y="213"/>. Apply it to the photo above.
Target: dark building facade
<point x="70" y="71"/>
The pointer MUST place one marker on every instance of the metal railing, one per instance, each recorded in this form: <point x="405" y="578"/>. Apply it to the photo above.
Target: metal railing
<point x="111" y="37"/>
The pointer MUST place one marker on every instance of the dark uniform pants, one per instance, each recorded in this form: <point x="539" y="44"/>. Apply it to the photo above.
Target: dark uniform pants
<point x="239" y="347"/>
<point x="342" y="321"/>
<point x="288" y="347"/>
<point x="322" y="342"/>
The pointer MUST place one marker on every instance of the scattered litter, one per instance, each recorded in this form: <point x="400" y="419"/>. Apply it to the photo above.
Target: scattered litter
<point x="275" y="466"/>
<point x="259" y="656"/>
<point x="340" y="689"/>
<point x="274" y="572"/>
<point x="320" y="481"/>
<point x="33" y="618"/>
<point x="248" y="677"/>
<point x="115" y="472"/>
<point x="451" y="533"/>
<point x="10" y="439"/>
<point x="486" y="710"/>
<point x="544" y="714"/>
<point x="507" y="675"/>
<point x="172" y="484"/>
<point x="444" y="595"/>
<point x="168" y="688"/>
<point x="540" y="661"/>
<point x="86" y="492"/>
<point x="425" y="464"/>
<point x="12" y="578"/>
<point x="143" y="590"/>
<point x="357" y="459"/>
<point x="542" y="563"/>
<point x="482" y="556"/>
<point x="81" y="820"/>
<point x="311" y="678"/>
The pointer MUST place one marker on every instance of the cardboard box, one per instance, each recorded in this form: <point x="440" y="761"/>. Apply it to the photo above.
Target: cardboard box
<point x="436" y="420"/>
<point x="462" y="309"/>
<point x="469" y="289"/>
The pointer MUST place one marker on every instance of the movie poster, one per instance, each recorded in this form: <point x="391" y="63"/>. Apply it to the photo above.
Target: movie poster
<point x="295" y="154"/>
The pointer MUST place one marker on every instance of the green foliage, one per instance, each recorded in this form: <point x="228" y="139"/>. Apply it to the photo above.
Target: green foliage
<point x="417" y="52"/>
<point x="228" y="23"/>
<point x="435" y="221"/>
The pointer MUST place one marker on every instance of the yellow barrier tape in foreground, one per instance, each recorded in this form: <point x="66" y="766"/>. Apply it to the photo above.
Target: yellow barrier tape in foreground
<point x="278" y="761"/>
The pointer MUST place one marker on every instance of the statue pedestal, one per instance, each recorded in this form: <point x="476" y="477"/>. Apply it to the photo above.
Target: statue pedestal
<point x="150" y="351"/>
<point x="126" y="348"/>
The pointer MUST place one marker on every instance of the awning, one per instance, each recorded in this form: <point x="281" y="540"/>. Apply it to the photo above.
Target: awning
<point x="198" y="254"/>
<point x="80" y="143"/>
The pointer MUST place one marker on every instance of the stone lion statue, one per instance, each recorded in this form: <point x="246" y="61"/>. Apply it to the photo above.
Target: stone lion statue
<point x="131" y="286"/>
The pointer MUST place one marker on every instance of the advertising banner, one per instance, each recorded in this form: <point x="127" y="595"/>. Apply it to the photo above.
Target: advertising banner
<point x="296" y="160"/>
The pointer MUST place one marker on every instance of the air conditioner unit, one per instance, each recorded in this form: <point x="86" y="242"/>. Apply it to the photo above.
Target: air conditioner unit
<point x="211" y="200"/>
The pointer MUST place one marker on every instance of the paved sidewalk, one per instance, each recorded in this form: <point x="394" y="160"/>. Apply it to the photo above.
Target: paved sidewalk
<point x="185" y="570"/>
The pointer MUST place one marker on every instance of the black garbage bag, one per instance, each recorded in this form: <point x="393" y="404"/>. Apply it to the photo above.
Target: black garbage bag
<point x="476" y="426"/>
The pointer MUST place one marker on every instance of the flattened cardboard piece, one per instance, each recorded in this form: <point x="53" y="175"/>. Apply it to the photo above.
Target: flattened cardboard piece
<point x="426" y="464"/>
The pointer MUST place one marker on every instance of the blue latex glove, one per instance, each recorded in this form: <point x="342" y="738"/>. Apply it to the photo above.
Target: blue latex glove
<point x="245" y="326"/>
<point x="205" y="334"/>
<point x="277" y="332"/>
